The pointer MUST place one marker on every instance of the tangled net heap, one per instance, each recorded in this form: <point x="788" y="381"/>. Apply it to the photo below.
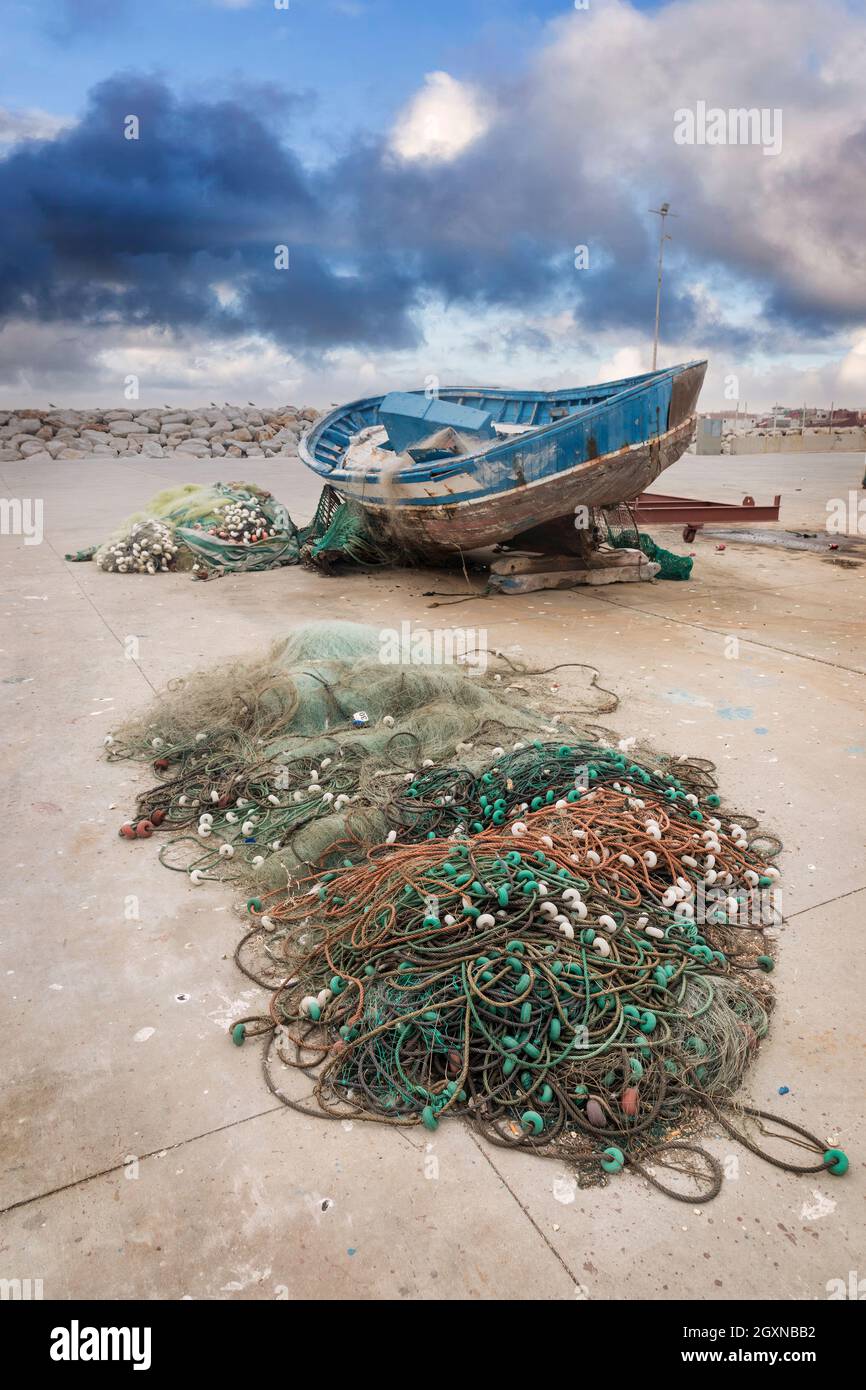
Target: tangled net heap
<point x="264" y="770"/>
<point x="544" y="976"/>
<point x="236" y="527"/>
<point x="563" y="942"/>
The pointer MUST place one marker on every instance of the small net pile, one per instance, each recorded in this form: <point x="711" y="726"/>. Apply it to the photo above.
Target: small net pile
<point x="230" y="528"/>
<point x="248" y="531"/>
<point x="148" y="546"/>
<point x="199" y="527"/>
<point x="623" y="534"/>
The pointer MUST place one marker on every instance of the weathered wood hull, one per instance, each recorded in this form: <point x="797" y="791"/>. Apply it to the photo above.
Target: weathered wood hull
<point x="594" y="447"/>
<point x="601" y="482"/>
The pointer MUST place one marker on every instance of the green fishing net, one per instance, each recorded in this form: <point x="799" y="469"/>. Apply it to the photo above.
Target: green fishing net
<point x="328" y="695"/>
<point x="468" y="903"/>
<point x="339" y="530"/>
<point x="672" y="566"/>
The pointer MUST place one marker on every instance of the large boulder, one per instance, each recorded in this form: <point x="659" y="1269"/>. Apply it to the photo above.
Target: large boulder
<point x="40" y="456"/>
<point x="199" y="448"/>
<point x="123" y="427"/>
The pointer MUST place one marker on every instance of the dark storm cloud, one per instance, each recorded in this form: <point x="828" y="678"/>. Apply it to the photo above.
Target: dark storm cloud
<point x="100" y="228"/>
<point x="177" y="230"/>
<point x="495" y="228"/>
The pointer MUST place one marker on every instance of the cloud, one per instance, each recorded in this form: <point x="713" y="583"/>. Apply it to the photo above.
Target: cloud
<point x="105" y="229"/>
<point x="466" y="213"/>
<point x="440" y="122"/>
<point x="29" y="124"/>
<point x="583" y="146"/>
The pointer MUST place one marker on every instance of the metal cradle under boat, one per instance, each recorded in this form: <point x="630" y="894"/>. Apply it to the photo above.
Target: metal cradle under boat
<point x="553" y="451"/>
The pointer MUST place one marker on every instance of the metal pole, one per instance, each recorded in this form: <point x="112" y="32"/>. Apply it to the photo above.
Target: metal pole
<point x="662" y="212"/>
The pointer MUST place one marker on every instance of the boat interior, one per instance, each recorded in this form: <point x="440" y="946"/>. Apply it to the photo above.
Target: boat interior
<point x="511" y="412"/>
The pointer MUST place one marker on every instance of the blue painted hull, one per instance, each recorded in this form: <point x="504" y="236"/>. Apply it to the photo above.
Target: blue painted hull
<point x="554" y="451"/>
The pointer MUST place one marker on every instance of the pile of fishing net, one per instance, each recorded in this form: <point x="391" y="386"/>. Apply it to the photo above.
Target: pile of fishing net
<point x="280" y="760"/>
<point x="467" y="905"/>
<point x="561" y="970"/>
<point x="206" y="528"/>
<point x="230" y="528"/>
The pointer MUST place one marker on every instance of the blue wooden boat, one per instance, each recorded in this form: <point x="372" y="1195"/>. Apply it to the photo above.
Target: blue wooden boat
<point x="470" y="467"/>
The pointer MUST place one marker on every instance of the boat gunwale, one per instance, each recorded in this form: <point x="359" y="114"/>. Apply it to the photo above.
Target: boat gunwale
<point x="504" y="447"/>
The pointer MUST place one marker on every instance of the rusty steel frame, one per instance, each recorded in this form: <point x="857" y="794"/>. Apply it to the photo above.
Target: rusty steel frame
<point x="692" y="514"/>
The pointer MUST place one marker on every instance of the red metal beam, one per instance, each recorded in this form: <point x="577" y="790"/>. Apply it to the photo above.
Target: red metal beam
<point x="691" y="514"/>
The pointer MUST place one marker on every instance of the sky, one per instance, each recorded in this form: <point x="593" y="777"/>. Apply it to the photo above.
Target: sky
<point x="310" y="201"/>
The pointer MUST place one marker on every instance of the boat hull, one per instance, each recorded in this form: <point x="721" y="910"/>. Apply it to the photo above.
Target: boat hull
<point x="594" y="447"/>
<point x="468" y="525"/>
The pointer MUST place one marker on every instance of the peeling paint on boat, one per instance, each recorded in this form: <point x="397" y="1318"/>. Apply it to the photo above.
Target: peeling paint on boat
<point x="590" y="446"/>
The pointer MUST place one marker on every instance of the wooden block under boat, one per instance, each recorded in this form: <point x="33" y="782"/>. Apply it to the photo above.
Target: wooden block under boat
<point x="634" y="567"/>
<point x="534" y="564"/>
<point x="542" y="564"/>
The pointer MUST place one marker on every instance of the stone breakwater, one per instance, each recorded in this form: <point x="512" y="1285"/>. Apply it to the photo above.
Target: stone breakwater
<point x="216" y="432"/>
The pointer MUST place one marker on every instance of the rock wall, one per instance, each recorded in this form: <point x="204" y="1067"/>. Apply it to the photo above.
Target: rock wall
<point x="215" y="432"/>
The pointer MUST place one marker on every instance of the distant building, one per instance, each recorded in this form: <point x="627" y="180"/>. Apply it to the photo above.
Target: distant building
<point x="781" y="419"/>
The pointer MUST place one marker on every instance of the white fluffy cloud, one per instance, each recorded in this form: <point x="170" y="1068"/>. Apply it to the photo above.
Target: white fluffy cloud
<point x="29" y="124"/>
<point x="441" y="121"/>
<point x="771" y="250"/>
<point x="798" y="217"/>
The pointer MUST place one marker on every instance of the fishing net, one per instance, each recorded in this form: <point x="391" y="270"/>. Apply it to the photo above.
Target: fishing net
<point x="342" y="531"/>
<point x="230" y="528"/>
<point x="331" y="696"/>
<point x="547" y="967"/>
<point x="535" y="974"/>
<point x="622" y="533"/>
<point x="219" y="527"/>
<point x="148" y="547"/>
<point x="465" y="904"/>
